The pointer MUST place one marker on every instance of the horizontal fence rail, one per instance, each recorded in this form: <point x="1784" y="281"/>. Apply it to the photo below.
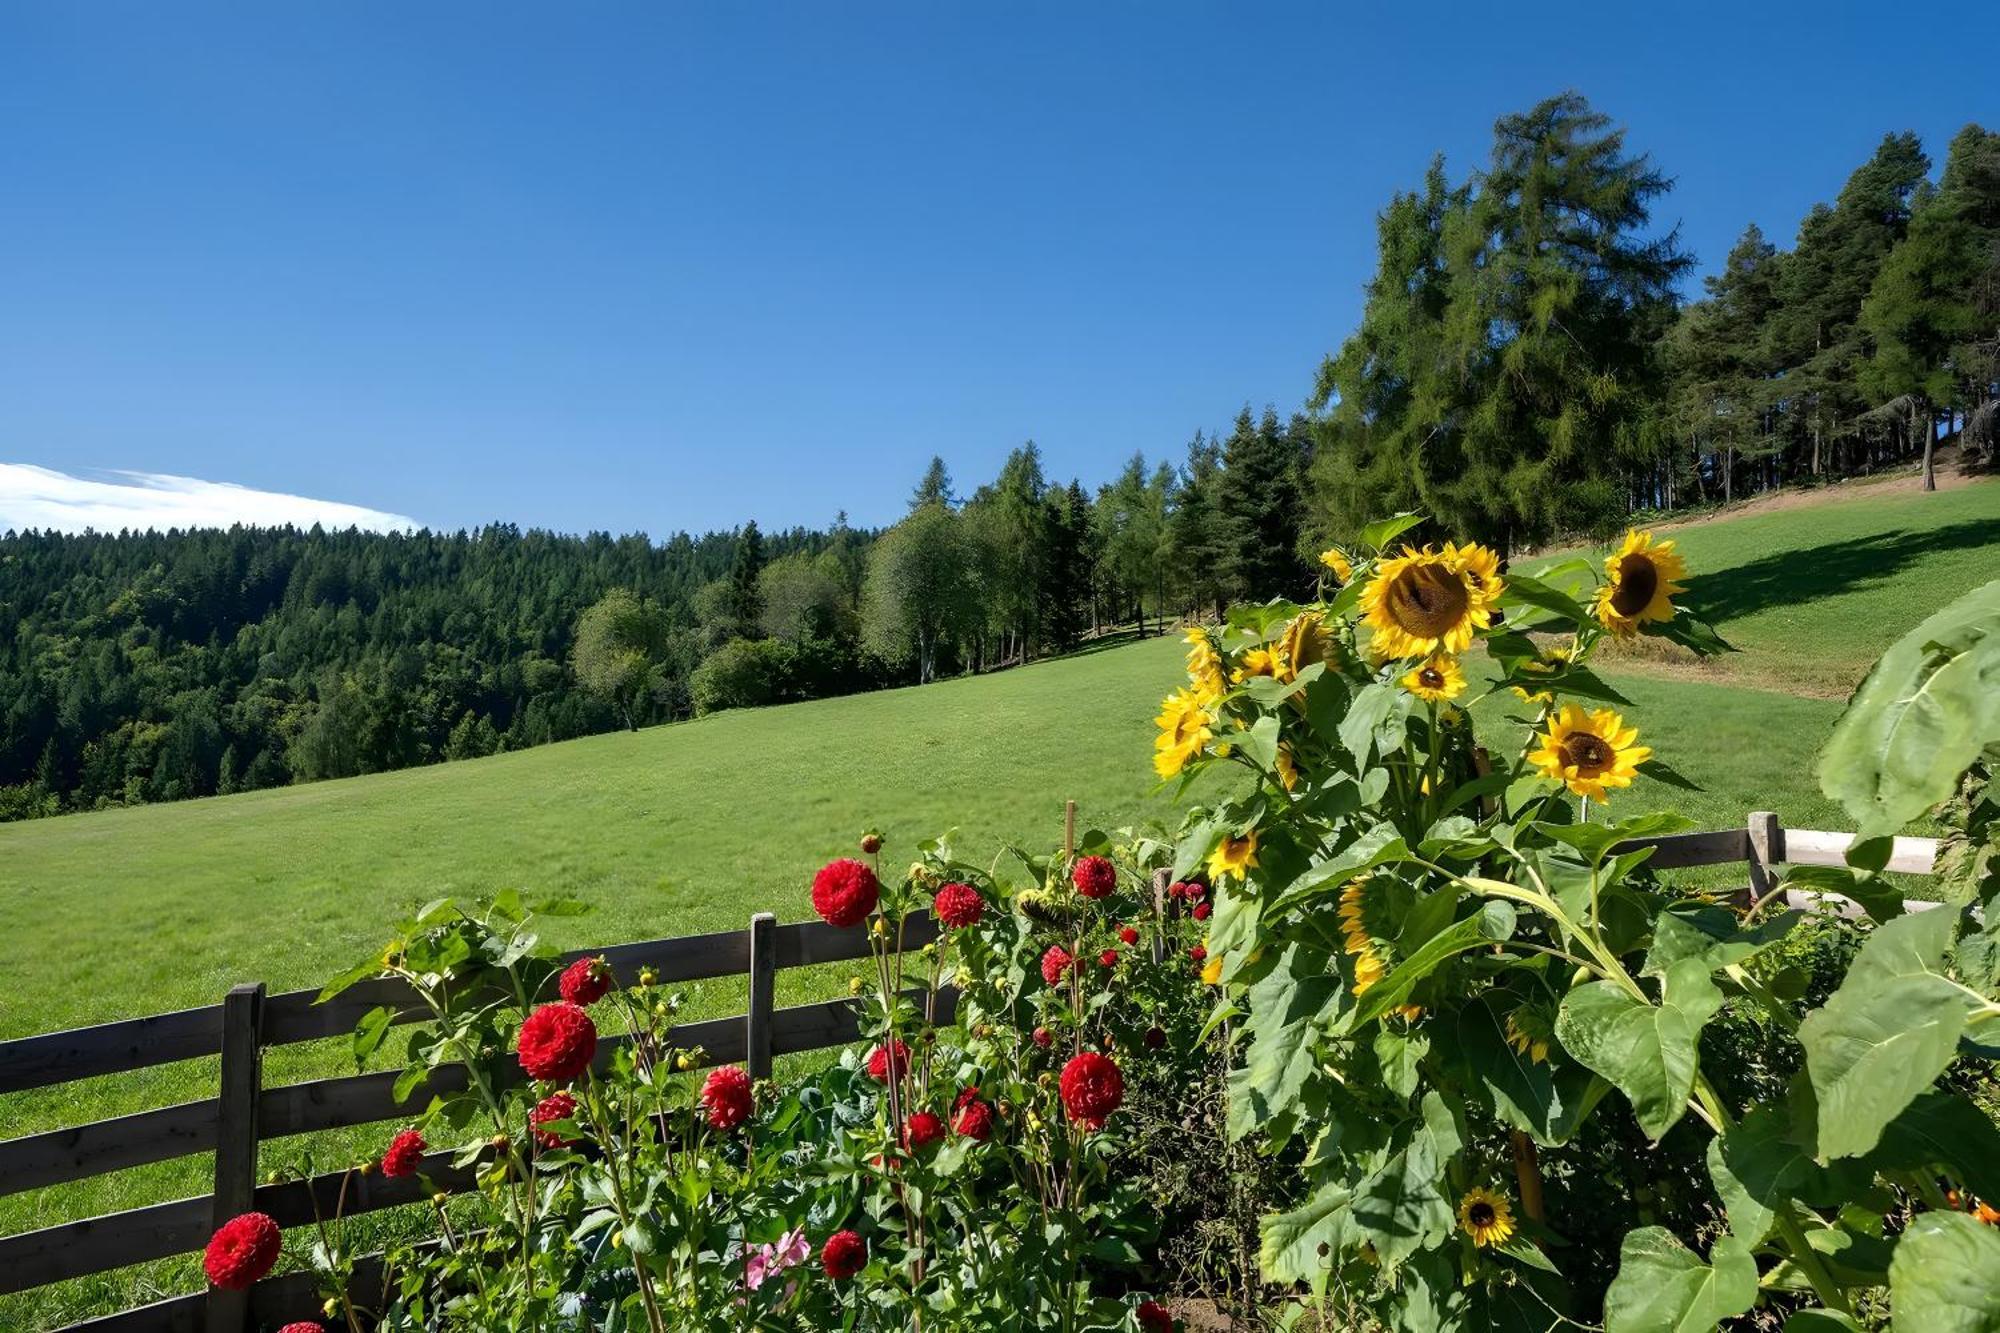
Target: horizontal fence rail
<point x="245" y="1113"/>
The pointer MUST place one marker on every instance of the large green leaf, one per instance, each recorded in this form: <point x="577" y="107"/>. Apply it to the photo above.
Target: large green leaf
<point x="1289" y="1006"/>
<point x="1493" y="922"/>
<point x="1943" y="1131"/>
<point x="1648" y="1051"/>
<point x="1945" y="1276"/>
<point x="1920" y="718"/>
<point x="1757" y="1169"/>
<point x="1664" y="1287"/>
<point x="1523" y="1090"/>
<point x="1399" y="1205"/>
<point x="1886" y="1034"/>
<point x="1289" y="1244"/>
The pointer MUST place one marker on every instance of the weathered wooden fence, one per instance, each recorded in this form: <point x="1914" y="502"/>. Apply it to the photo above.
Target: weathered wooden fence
<point x="245" y="1113"/>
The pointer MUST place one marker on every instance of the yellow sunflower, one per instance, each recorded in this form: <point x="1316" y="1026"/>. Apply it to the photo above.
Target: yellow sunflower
<point x="1184" y="723"/>
<point x="1233" y="857"/>
<point x="1258" y="662"/>
<point x="1288" y="769"/>
<point x="1485" y="1216"/>
<point x="1436" y="679"/>
<point x="1481" y="563"/>
<point x="1369" y="965"/>
<point x="1211" y="971"/>
<point x="1303" y="643"/>
<point x="1336" y="560"/>
<point x="1545" y="663"/>
<point x="1529" y="1033"/>
<point x="1639" y="583"/>
<point x="1589" y="753"/>
<point x="1422" y="602"/>
<point x="1204" y="667"/>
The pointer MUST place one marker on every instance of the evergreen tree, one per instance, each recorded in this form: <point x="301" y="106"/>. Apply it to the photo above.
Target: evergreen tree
<point x="746" y="564"/>
<point x="934" y="488"/>
<point x="1063" y="591"/>
<point x="1260" y="506"/>
<point x="1195" y="547"/>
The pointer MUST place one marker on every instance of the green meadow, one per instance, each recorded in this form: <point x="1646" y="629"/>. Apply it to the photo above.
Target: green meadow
<point x="693" y="827"/>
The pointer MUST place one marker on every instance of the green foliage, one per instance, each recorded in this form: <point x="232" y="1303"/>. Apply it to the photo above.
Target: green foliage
<point x="621" y="644"/>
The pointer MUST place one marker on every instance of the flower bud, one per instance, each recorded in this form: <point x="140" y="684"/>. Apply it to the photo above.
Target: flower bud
<point x="331" y="1308"/>
<point x="647" y="976"/>
<point x="854" y="985"/>
<point x="871" y="843"/>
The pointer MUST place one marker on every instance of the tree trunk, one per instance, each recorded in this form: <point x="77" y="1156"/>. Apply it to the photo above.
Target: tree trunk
<point x="1920" y="415"/>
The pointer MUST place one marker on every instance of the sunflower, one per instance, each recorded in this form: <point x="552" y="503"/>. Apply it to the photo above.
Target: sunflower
<point x="1336" y="560"/>
<point x="1422" y="602"/>
<point x="1184" y="723"/>
<point x="1479" y="563"/>
<point x="1204" y="667"/>
<point x="1288" y="769"/>
<point x="1639" y="583"/>
<point x="1545" y="663"/>
<point x="1369" y="965"/>
<point x="1486" y="1217"/>
<point x="1436" y="679"/>
<point x="1233" y="857"/>
<point x="1529" y="1033"/>
<point x="1589" y="753"/>
<point x="1303" y="643"/>
<point x="1211" y="971"/>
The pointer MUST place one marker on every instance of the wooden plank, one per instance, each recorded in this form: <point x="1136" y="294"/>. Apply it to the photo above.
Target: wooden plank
<point x="763" y="994"/>
<point x="96" y="1244"/>
<point x="236" y="1136"/>
<point x="109" y="1048"/>
<point x="809" y="943"/>
<point x="1811" y="847"/>
<point x="1767" y="848"/>
<point x="38" y="1160"/>
<point x="1674" y="851"/>
<point x="287" y="1298"/>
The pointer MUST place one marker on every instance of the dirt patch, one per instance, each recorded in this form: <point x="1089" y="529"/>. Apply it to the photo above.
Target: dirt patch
<point x="1949" y="478"/>
<point x="1649" y="655"/>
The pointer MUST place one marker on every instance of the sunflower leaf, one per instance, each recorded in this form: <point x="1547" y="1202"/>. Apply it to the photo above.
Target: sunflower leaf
<point x="1522" y="590"/>
<point x="1648" y="1051"/>
<point x="1377" y="535"/>
<point x="1664" y="1287"/>
<point x="1945" y="1276"/>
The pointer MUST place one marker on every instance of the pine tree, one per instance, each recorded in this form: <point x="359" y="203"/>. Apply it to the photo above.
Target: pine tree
<point x="1260" y="506"/>
<point x="1194" y="532"/>
<point x="934" y="488"/>
<point x="746" y="564"/>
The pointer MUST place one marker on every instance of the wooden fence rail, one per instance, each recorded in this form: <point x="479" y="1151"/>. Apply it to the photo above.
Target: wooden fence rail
<point x="245" y="1113"/>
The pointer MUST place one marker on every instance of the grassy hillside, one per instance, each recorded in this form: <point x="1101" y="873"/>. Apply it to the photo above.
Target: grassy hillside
<point x="693" y="827"/>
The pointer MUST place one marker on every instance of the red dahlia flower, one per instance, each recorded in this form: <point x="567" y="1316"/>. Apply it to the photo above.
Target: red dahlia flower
<point x="406" y="1153"/>
<point x="958" y="905"/>
<point x="1198" y="954"/>
<point x="1201" y="911"/>
<point x="303" y="1326"/>
<point x="843" y="1255"/>
<point x="921" y="1130"/>
<point x="1054" y="963"/>
<point x="725" y="1097"/>
<point x="880" y="1058"/>
<point x="557" y="1042"/>
<point x="242" y="1250"/>
<point x="1044" y="1038"/>
<point x="556" y="1106"/>
<point x="871" y="843"/>
<point x="586" y="981"/>
<point x="1127" y="935"/>
<point x="1094" y="876"/>
<point x="1092" y="1088"/>
<point x="1152" y="1317"/>
<point x="1108" y="959"/>
<point x="973" y="1120"/>
<point x="969" y="1093"/>
<point x="845" y="892"/>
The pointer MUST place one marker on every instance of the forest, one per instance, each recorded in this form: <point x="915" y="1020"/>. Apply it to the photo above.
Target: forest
<point x="1525" y="370"/>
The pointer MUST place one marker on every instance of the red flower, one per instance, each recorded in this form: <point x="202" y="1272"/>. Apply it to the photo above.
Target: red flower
<point x="1108" y="959"/>
<point x="1054" y="963"/>
<point x="557" y="1042"/>
<point x="879" y="1061"/>
<point x="405" y="1155"/>
<point x="1153" y="1318"/>
<point x="555" y="1106"/>
<point x="303" y="1326"/>
<point x="1178" y="889"/>
<point x="1094" y="876"/>
<point x="843" y="1255"/>
<point x="726" y="1097"/>
<point x="871" y="843"/>
<point x="1044" y="1038"/>
<point x="586" y="981"/>
<point x="1128" y="935"/>
<point x="242" y="1250"/>
<point x="958" y="905"/>
<point x="974" y="1120"/>
<point x="845" y="892"/>
<point x="1201" y="911"/>
<point x="1092" y="1088"/>
<point x="969" y="1093"/>
<point x="1198" y="954"/>
<point x="921" y="1130"/>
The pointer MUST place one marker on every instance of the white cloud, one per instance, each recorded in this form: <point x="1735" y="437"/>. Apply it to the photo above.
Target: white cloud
<point x="37" y="497"/>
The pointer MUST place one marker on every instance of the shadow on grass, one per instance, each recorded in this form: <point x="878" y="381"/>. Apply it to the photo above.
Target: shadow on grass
<point x="1797" y="576"/>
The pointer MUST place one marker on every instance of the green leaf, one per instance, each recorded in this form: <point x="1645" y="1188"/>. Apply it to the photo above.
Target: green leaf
<point x="1493" y="922"/>
<point x="1659" y="770"/>
<point x="1757" y="1169"/>
<point x="1523" y="1091"/>
<point x="1289" y="1007"/>
<point x="1649" y="1052"/>
<point x="1886" y="1034"/>
<point x="1945" y="1276"/>
<point x="359" y="972"/>
<point x="1399" y="1204"/>
<point x="370" y="1031"/>
<point x="1821" y="1321"/>
<point x="1924" y="713"/>
<point x="1711" y="935"/>
<point x="1380" y="845"/>
<point x="1941" y="1130"/>
<point x="1664" y="1287"/>
<point x="1377" y="535"/>
<point x="1289" y="1244"/>
<point x="1522" y="590"/>
<point x="1375" y="720"/>
<point x="1690" y="632"/>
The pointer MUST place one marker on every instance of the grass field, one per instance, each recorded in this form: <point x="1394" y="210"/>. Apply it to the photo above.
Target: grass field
<point x="693" y="827"/>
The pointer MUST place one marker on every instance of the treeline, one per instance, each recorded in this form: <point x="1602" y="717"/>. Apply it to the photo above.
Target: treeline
<point x="1525" y="370"/>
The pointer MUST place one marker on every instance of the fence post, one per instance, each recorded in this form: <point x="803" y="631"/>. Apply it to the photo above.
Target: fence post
<point x="1767" y="848"/>
<point x="763" y="992"/>
<point x="236" y="1135"/>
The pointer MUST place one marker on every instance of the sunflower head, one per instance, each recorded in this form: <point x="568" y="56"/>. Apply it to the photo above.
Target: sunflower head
<point x="1204" y="667"/>
<point x="1304" y="642"/>
<point x="1422" y="602"/>
<point x="1233" y="857"/>
<point x="1371" y="963"/>
<point x="1589" y="752"/>
<point x="1437" y="679"/>
<point x="1485" y="1216"/>
<point x="1259" y="662"/>
<point x="1184" y="723"/>
<point x="1288" y="768"/>
<point x="1640" y="580"/>
<point x="1336" y="560"/>
<point x="1529" y="1032"/>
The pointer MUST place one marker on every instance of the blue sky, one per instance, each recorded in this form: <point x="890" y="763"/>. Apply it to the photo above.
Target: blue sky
<point x="647" y="267"/>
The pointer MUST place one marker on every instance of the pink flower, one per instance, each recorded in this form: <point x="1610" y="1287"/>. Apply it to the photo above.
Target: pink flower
<point x="767" y="1261"/>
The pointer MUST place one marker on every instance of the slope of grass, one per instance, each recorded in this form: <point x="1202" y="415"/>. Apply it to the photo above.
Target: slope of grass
<point x="693" y="827"/>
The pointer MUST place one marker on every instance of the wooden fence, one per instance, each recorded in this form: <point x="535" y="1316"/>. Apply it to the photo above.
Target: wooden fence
<point x="245" y="1113"/>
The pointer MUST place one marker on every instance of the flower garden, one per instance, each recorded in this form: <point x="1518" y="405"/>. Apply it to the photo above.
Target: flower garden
<point x="1398" y="1030"/>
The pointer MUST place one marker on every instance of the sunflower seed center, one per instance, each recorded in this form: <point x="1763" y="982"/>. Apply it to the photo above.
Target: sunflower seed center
<point x="1586" y="752"/>
<point x="1638" y="580"/>
<point x="1481" y="1214"/>
<point x="1429" y="602"/>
